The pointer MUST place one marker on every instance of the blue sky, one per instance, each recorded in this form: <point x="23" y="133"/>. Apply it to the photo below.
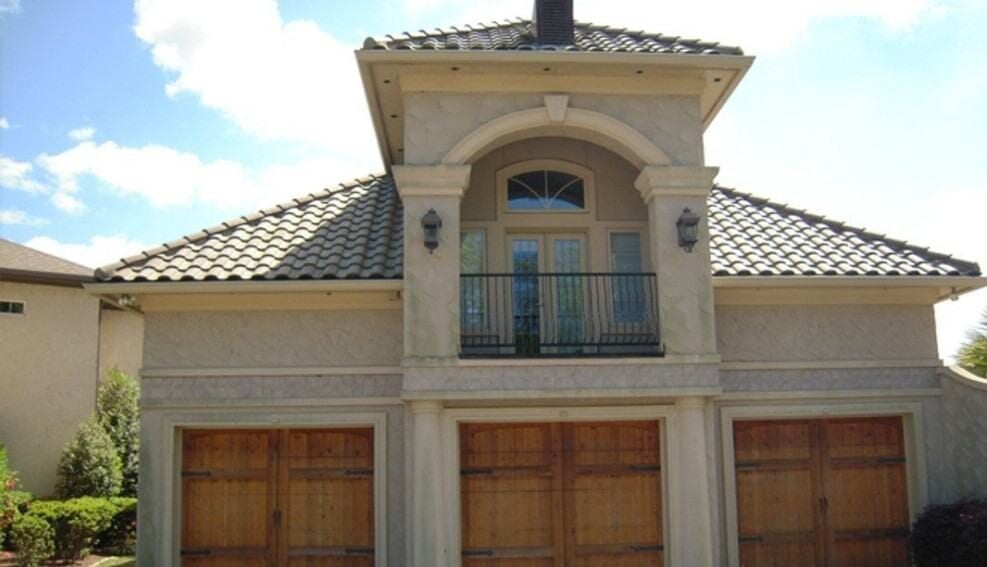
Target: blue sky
<point x="126" y="124"/>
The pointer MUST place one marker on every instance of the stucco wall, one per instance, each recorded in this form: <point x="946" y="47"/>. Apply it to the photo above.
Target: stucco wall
<point x="272" y="339"/>
<point x="121" y="342"/>
<point x="435" y="122"/>
<point x="615" y="199"/>
<point x="825" y="332"/>
<point x="48" y="376"/>
<point x="964" y="422"/>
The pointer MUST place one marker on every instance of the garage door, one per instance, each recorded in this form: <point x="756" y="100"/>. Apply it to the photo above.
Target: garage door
<point x="822" y="492"/>
<point x="277" y="497"/>
<point x="570" y="494"/>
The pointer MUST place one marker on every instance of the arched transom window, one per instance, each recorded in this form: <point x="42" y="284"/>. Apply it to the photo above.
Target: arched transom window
<point x="545" y="190"/>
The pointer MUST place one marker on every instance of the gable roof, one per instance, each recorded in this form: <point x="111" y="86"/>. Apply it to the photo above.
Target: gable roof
<point x="518" y="35"/>
<point x="354" y="231"/>
<point x="23" y="263"/>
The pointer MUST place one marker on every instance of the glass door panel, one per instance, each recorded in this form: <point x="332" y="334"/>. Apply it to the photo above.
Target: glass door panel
<point x="526" y="262"/>
<point x="569" y="294"/>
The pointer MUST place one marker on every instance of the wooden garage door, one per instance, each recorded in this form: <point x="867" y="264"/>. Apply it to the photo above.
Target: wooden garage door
<point x="277" y="497"/>
<point x="822" y="492"/>
<point x="571" y="494"/>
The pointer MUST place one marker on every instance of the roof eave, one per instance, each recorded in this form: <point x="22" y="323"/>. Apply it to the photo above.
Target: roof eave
<point x="950" y="287"/>
<point x="245" y="286"/>
<point x="45" y="278"/>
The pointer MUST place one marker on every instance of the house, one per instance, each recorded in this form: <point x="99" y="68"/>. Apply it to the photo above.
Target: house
<point x="545" y="337"/>
<point x="56" y="341"/>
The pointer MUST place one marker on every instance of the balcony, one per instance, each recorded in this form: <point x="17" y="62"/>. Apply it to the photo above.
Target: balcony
<point x="538" y="315"/>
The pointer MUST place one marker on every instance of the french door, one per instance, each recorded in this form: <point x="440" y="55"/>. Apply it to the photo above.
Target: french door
<point x="548" y="306"/>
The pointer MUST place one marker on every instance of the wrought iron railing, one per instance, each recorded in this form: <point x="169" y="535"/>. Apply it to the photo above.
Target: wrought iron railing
<point x="559" y="314"/>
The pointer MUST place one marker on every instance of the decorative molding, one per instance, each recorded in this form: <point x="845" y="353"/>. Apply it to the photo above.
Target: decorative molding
<point x="252" y="286"/>
<point x="798" y="395"/>
<point x="667" y="360"/>
<point x="675" y="180"/>
<point x="557" y="106"/>
<point x="828" y="364"/>
<point x="431" y="180"/>
<point x="964" y="377"/>
<point x="276" y="371"/>
<point x="632" y="143"/>
<point x="566" y="394"/>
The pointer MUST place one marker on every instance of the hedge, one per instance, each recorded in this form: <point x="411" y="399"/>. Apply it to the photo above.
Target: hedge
<point x="951" y="535"/>
<point x="77" y="523"/>
<point x="34" y="540"/>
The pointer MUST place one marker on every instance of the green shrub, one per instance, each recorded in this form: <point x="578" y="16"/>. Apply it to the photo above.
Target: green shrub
<point x="34" y="540"/>
<point x="952" y="535"/>
<point x="89" y="465"/>
<point x="973" y="353"/>
<point x="121" y="537"/>
<point x="118" y="411"/>
<point x="11" y="500"/>
<point x="76" y="523"/>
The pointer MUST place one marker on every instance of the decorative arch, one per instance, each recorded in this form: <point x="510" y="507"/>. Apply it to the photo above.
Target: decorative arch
<point x="578" y="123"/>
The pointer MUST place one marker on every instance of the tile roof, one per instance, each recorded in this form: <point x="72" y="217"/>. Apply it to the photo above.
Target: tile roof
<point x="751" y="236"/>
<point x="350" y="231"/>
<point x="20" y="258"/>
<point x="517" y="35"/>
<point x="355" y="231"/>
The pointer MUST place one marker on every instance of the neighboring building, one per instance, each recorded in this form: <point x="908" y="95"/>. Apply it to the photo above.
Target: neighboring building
<point x="512" y="348"/>
<point x="56" y="340"/>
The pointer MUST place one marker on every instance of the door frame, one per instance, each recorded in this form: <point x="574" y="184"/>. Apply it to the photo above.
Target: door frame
<point x="171" y="446"/>
<point x="665" y="415"/>
<point x="912" y="429"/>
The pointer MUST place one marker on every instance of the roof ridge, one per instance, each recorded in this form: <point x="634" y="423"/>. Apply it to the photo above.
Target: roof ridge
<point x="863" y="232"/>
<point x="108" y="269"/>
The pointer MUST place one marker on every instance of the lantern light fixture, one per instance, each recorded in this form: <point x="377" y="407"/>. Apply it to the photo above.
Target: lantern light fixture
<point x="688" y="227"/>
<point x="431" y="223"/>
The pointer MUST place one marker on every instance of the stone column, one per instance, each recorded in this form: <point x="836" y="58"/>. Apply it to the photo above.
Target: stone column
<point x="428" y="529"/>
<point x="685" y="284"/>
<point x="692" y="526"/>
<point x="431" y="279"/>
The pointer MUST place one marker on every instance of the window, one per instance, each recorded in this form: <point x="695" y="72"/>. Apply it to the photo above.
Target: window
<point x="628" y="291"/>
<point x="12" y="307"/>
<point x="545" y="190"/>
<point x="472" y="260"/>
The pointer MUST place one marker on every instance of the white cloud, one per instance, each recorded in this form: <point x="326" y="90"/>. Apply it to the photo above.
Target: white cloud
<point x="67" y="203"/>
<point x="168" y="177"/>
<point x="15" y="216"/>
<point x="4" y="124"/>
<point x="277" y="80"/>
<point x="99" y="251"/>
<point x="758" y="26"/>
<point x="82" y="134"/>
<point x="17" y="175"/>
<point x="10" y="6"/>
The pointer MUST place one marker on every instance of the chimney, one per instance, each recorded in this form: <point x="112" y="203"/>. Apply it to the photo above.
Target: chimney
<point x="553" y="22"/>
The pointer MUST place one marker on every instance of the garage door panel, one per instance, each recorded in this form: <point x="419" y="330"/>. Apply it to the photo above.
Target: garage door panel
<point x="225" y="513"/>
<point x="561" y="494"/>
<point x="773" y="502"/>
<point x="822" y="492"/>
<point x="617" y="510"/>
<point x="278" y="497"/>
<point x="873" y="553"/>
<point x="778" y="554"/>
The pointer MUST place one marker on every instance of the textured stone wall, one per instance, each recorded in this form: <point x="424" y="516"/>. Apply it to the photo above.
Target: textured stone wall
<point x="560" y="377"/>
<point x="435" y="122"/>
<point x="825" y="332"/>
<point x="222" y="388"/>
<point x="821" y="379"/>
<point x="272" y="339"/>
<point x="964" y="423"/>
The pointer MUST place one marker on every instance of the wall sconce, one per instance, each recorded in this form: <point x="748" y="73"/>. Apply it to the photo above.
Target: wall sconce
<point x="688" y="225"/>
<point x="431" y="223"/>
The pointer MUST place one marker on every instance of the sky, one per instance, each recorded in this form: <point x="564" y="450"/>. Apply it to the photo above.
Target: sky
<point x="127" y="124"/>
